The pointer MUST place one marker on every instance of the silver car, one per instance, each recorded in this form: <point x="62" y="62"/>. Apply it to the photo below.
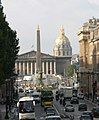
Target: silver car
<point x="69" y="108"/>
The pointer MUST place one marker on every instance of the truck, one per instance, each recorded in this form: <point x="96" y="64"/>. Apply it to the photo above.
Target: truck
<point x="67" y="92"/>
<point x="46" y="98"/>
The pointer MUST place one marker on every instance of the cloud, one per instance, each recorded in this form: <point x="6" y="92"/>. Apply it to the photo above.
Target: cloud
<point x="96" y="2"/>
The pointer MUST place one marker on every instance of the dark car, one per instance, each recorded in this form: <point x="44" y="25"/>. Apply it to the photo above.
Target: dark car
<point x="80" y="95"/>
<point x="85" y="117"/>
<point x="82" y="106"/>
<point x="50" y="111"/>
<point x="95" y="112"/>
<point x="74" y="100"/>
<point x="69" y="108"/>
<point x="88" y="113"/>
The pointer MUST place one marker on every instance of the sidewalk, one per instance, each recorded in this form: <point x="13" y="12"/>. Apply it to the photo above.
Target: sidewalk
<point x="3" y="113"/>
<point x="93" y="102"/>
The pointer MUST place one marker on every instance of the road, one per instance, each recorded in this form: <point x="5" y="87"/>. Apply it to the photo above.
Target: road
<point x="60" y="109"/>
<point x="39" y="111"/>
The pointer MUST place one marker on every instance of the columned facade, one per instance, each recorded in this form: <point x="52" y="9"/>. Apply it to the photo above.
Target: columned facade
<point x="26" y="64"/>
<point x="30" y="68"/>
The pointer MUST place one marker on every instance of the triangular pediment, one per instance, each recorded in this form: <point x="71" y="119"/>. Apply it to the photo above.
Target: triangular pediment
<point x="32" y="54"/>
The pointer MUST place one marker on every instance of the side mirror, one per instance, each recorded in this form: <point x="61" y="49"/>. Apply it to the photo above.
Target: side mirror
<point x="34" y="103"/>
<point x="17" y="104"/>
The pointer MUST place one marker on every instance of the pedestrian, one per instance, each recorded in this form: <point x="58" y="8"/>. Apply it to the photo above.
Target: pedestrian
<point x="98" y="100"/>
<point x="64" y="102"/>
<point x="60" y="101"/>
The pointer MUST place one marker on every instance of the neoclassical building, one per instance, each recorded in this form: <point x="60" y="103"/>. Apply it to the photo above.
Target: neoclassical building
<point x="89" y="56"/>
<point x="26" y="64"/>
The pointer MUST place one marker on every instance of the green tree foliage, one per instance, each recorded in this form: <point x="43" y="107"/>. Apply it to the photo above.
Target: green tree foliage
<point x="70" y="70"/>
<point x="8" y="48"/>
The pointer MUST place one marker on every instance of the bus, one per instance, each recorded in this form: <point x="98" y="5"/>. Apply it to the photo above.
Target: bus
<point x="46" y="98"/>
<point x="26" y="108"/>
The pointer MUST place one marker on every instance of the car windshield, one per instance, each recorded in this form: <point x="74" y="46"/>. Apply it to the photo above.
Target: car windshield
<point x="35" y="96"/>
<point x="87" y="112"/>
<point x="26" y="107"/>
<point x="69" y="106"/>
<point x="50" y="110"/>
<point x="82" y="104"/>
<point x="53" y="119"/>
<point x="86" y="117"/>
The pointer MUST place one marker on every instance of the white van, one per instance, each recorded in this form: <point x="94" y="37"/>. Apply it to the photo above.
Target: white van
<point x="26" y="108"/>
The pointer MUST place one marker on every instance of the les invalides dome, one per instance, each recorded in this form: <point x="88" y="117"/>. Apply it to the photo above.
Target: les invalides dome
<point x="62" y="45"/>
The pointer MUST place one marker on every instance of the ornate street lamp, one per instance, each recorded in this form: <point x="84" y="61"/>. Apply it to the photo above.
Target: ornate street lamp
<point x="88" y="83"/>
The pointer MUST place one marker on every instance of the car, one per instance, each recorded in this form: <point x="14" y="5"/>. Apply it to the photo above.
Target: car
<point x="82" y="106"/>
<point x="80" y="95"/>
<point x="50" y="111"/>
<point x="85" y="117"/>
<point x="95" y="112"/>
<point x="53" y="117"/>
<point x="47" y="106"/>
<point x="36" y="96"/>
<point x="88" y="113"/>
<point x="69" y="108"/>
<point x="74" y="100"/>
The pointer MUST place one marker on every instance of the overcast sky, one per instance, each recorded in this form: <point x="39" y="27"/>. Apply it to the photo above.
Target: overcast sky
<point x="24" y="16"/>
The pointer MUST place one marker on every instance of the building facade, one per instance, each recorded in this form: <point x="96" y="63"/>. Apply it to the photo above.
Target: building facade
<point x="89" y="56"/>
<point x="26" y="64"/>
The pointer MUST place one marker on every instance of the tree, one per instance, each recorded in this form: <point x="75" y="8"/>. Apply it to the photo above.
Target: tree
<point x="70" y="70"/>
<point x="8" y="48"/>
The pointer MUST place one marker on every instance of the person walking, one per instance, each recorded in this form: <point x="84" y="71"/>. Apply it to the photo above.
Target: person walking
<point x="98" y="100"/>
<point x="64" y="102"/>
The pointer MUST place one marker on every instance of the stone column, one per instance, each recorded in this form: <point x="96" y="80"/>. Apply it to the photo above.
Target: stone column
<point x="27" y="68"/>
<point x="16" y="67"/>
<point x="35" y="67"/>
<point x="20" y="68"/>
<point x="31" y="68"/>
<point x="54" y="67"/>
<point x="43" y="67"/>
<point x="50" y="67"/>
<point x="23" y="68"/>
<point x="46" y="67"/>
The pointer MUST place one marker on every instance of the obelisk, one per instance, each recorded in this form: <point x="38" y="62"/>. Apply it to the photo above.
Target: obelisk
<point x="38" y="53"/>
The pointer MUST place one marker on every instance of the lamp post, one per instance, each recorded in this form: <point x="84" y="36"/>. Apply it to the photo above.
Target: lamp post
<point x="7" y="99"/>
<point x="88" y="83"/>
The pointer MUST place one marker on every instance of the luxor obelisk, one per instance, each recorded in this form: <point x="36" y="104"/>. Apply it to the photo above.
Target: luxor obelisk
<point x="38" y="53"/>
<point x="38" y="58"/>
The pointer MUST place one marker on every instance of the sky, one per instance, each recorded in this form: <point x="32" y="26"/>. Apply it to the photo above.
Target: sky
<point x="24" y="16"/>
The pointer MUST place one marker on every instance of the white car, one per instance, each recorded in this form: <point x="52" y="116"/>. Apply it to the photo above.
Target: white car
<point x="36" y="96"/>
<point x="53" y="117"/>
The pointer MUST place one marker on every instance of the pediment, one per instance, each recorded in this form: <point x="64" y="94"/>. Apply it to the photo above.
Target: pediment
<point x="32" y="54"/>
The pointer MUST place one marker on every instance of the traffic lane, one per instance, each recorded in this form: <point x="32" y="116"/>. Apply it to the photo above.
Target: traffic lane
<point x="76" y="113"/>
<point x="39" y="111"/>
